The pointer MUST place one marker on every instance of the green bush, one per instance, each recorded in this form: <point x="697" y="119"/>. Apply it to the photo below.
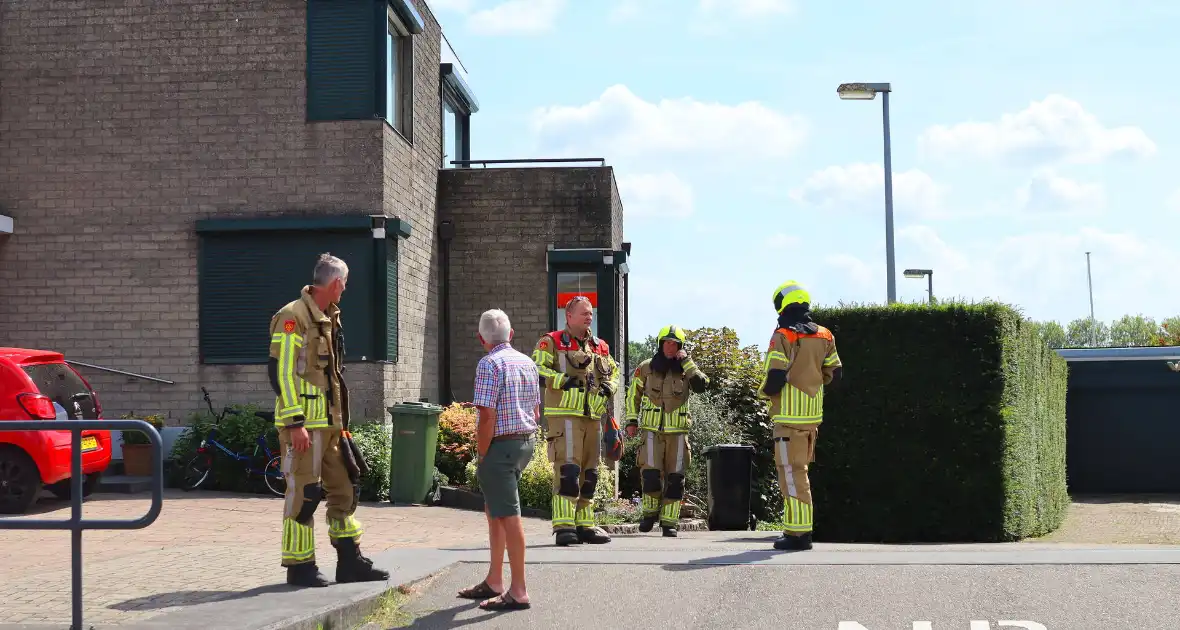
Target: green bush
<point x="948" y="425"/>
<point x="373" y="439"/>
<point x="712" y="425"/>
<point x="238" y="431"/>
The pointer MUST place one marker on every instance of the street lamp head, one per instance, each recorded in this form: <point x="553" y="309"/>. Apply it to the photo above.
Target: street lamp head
<point x="917" y="273"/>
<point x="861" y="91"/>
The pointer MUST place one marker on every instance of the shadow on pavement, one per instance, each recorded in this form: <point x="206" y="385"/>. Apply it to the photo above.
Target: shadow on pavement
<point x="1100" y="499"/>
<point x="445" y="618"/>
<point x="713" y="562"/>
<point x="157" y="601"/>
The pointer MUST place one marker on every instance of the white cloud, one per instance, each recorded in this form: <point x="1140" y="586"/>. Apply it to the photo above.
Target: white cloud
<point x="620" y="124"/>
<point x="517" y="17"/>
<point x="626" y="10"/>
<point x="748" y="8"/>
<point x="1056" y="129"/>
<point x="1043" y="273"/>
<point x="1049" y="193"/>
<point x="861" y="187"/>
<point x="660" y="195"/>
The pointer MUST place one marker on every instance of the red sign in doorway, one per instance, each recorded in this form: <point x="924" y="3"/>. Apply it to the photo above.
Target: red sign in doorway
<point x="564" y="298"/>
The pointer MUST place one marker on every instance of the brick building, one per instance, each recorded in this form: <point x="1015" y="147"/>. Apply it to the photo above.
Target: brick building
<point x="169" y="170"/>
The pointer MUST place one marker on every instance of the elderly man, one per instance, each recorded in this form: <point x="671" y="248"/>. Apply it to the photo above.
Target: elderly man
<point x="508" y="396"/>
<point x="320" y="462"/>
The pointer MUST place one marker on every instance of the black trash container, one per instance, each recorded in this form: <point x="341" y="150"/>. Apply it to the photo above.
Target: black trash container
<point x="729" y="473"/>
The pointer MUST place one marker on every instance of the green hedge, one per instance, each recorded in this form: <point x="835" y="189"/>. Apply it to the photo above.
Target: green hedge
<point x="948" y="425"/>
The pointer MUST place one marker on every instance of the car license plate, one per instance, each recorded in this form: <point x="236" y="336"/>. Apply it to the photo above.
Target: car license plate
<point x="89" y="443"/>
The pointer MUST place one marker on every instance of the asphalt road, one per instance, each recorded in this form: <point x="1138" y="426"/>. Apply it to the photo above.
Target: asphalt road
<point x="712" y="582"/>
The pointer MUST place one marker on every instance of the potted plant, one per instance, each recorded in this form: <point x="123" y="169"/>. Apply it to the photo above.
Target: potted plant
<point x="137" y="448"/>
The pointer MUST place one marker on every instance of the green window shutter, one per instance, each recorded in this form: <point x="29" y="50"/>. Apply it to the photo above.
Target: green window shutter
<point x="245" y="276"/>
<point x="391" y="317"/>
<point x="343" y="59"/>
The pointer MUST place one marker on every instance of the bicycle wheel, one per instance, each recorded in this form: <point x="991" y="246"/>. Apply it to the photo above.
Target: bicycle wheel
<point x="273" y="474"/>
<point x="196" y="472"/>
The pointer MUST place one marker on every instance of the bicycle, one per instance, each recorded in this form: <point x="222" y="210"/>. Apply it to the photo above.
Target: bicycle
<point x="201" y="464"/>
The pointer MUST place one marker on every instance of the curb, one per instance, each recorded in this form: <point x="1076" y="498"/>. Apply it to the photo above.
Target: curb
<point x="351" y="613"/>
<point x="693" y="525"/>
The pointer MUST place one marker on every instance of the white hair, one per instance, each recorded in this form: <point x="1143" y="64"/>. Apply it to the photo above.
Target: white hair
<point x="494" y="326"/>
<point x="327" y="269"/>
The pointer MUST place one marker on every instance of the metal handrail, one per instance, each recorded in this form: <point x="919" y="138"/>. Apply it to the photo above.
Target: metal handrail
<point x="484" y="163"/>
<point x="124" y="373"/>
<point x="76" y="523"/>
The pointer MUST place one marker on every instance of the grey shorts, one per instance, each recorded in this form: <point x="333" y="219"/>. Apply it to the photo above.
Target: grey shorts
<point x="499" y="474"/>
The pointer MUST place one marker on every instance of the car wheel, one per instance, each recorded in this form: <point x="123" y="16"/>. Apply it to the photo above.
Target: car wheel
<point x="64" y="488"/>
<point x="20" y="481"/>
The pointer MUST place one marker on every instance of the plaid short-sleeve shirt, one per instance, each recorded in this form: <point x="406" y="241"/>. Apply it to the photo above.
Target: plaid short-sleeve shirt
<point x="506" y="380"/>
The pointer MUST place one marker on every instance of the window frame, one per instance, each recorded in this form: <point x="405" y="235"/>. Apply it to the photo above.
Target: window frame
<point x="383" y="232"/>
<point x="462" y="114"/>
<point x="402" y="87"/>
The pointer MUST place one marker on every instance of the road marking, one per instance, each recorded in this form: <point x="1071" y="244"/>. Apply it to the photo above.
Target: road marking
<point x="975" y="625"/>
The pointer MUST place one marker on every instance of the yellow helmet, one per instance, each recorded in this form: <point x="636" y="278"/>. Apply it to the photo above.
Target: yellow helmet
<point x="673" y="332"/>
<point x="788" y="293"/>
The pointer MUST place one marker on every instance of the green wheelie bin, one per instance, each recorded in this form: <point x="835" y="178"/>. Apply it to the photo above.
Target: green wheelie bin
<point x="412" y="448"/>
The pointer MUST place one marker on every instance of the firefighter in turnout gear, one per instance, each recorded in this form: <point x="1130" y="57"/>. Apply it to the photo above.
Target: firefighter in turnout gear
<point x="800" y="363"/>
<point x="578" y="380"/>
<point x="657" y="404"/>
<point x="320" y="462"/>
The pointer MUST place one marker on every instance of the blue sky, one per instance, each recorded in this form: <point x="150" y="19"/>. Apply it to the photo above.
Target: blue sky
<point x="1023" y="135"/>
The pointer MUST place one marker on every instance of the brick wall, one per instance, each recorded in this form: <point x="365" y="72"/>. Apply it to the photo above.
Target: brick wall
<point x="504" y="219"/>
<point x="124" y="122"/>
<point x="410" y="184"/>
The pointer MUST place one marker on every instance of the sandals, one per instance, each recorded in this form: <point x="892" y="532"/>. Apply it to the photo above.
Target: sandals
<point x="480" y="591"/>
<point x="504" y="602"/>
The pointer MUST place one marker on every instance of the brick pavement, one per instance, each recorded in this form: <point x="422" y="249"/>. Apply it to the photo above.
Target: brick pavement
<point x="203" y="547"/>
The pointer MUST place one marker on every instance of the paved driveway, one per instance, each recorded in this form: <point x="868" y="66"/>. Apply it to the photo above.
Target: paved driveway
<point x="203" y="546"/>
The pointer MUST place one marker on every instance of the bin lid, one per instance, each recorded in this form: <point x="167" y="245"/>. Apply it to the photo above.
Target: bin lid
<point x="728" y="447"/>
<point x="415" y="407"/>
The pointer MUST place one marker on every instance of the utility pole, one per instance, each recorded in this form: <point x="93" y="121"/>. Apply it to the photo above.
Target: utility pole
<point x="1093" y="324"/>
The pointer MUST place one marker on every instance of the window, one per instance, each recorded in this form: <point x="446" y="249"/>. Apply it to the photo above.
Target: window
<point x="450" y="149"/>
<point x="571" y="284"/>
<point x="458" y="104"/>
<point x="248" y="269"/>
<point x="399" y="81"/>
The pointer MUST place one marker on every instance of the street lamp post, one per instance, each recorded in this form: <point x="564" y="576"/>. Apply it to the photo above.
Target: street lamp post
<point x="867" y="92"/>
<point x="920" y="273"/>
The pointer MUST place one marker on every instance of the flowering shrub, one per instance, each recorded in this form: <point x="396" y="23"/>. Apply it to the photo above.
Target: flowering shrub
<point x="456" y="440"/>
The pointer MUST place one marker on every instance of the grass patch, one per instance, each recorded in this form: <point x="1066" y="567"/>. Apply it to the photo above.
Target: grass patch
<point x="389" y="613"/>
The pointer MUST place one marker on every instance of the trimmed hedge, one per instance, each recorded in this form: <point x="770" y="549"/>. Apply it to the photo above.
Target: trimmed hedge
<point x="948" y="425"/>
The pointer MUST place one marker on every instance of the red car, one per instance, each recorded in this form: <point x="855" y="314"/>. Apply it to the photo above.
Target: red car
<point x="40" y="385"/>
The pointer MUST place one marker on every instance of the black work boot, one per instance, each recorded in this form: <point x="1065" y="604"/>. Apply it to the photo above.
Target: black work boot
<point x="566" y="537"/>
<point x="670" y="531"/>
<point x="793" y="543"/>
<point x="352" y="566"/>
<point x="593" y="535"/>
<point x="648" y="522"/>
<point x="306" y="574"/>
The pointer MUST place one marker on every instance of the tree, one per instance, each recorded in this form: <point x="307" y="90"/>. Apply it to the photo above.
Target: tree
<point x="1133" y="331"/>
<point x="1168" y="333"/>
<point x="637" y="351"/>
<point x="1087" y="333"/>
<point x="1052" y="333"/>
